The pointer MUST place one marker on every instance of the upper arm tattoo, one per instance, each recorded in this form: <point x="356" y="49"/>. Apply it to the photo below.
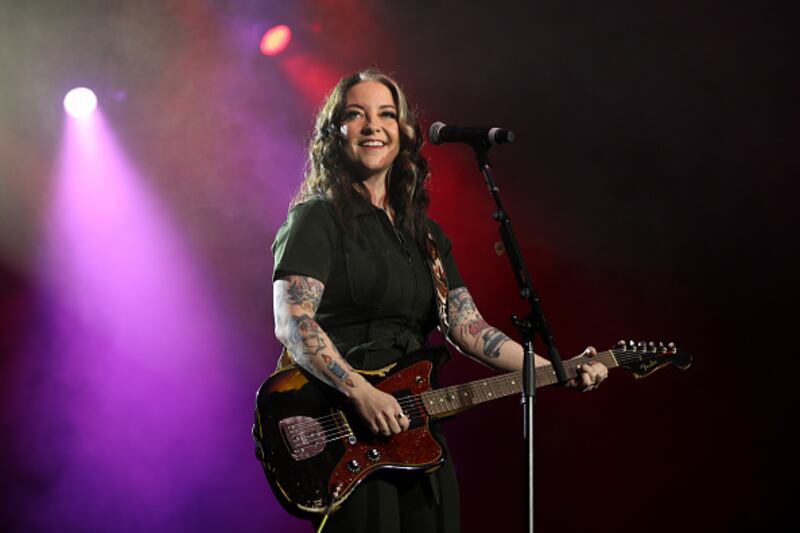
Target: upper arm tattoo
<point x="305" y="292"/>
<point x="468" y="322"/>
<point x="459" y="302"/>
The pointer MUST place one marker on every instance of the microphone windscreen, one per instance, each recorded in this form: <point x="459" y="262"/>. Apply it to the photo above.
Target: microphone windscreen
<point x="434" y="130"/>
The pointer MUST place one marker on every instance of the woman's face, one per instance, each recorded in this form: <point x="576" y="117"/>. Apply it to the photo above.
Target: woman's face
<point x="369" y="129"/>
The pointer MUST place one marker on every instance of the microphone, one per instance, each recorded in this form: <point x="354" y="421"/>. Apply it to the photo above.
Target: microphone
<point x="442" y="133"/>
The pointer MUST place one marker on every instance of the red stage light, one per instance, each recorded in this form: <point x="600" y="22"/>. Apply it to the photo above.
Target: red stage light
<point x="275" y="40"/>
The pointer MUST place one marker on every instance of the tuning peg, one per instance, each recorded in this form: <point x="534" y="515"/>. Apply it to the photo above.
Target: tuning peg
<point x="672" y="348"/>
<point x="651" y="347"/>
<point x="642" y="346"/>
<point x="632" y="346"/>
<point x="661" y="347"/>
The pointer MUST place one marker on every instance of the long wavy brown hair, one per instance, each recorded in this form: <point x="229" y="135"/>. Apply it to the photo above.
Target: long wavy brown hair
<point x="326" y="175"/>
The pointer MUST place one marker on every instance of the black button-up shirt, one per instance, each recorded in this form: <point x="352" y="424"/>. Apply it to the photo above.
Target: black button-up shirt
<point x="378" y="302"/>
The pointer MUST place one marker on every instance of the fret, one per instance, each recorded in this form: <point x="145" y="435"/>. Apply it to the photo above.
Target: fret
<point x="449" y="400"/>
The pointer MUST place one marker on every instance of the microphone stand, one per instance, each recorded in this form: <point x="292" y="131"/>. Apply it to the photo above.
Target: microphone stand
<point x="533" y="323"/>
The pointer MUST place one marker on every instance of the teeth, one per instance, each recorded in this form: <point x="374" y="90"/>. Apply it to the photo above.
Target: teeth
<point x="372" y="143"/>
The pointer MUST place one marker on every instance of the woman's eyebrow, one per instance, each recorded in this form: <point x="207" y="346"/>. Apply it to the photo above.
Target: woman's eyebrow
<point x="382" y="106"/>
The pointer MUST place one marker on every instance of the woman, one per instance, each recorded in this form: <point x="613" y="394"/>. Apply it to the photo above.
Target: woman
<point x="353" y="288"/>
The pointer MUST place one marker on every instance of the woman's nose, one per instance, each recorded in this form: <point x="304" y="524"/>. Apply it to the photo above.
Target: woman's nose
<point x="370" y="124"/>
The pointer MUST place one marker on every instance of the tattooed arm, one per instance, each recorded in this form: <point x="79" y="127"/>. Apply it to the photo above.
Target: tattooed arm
<point x="489" y="345"/>
<point x="295" y="303"/>
<point x="475" y="337"/>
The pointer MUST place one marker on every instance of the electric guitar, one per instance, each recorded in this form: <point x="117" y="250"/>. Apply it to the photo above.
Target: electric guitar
<point x="315" y="450"/>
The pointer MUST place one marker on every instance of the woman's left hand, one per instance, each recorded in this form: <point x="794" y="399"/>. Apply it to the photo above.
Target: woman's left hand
<point x="590" y="374"/>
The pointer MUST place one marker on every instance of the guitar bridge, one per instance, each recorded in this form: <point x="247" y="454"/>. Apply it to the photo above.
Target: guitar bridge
<point x="303" y="436"/>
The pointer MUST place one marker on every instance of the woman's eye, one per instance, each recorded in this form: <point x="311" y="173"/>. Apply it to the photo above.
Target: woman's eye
<point x="389" y="114"/>
<point x="350" y="115"/>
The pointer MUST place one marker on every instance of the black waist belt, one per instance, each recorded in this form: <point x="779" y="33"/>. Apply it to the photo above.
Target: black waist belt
<point x="375" y="345"/>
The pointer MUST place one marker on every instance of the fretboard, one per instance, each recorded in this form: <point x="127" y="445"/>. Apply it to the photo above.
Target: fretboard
<point x="450" y="400"/>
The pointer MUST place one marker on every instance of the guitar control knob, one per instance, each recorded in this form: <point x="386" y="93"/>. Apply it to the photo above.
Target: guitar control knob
<point x="353" y="466"/>
<point x="374" y="455"/>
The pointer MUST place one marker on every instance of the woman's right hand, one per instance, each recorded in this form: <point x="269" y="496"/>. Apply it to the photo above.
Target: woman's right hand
<point x="380" y="411"/>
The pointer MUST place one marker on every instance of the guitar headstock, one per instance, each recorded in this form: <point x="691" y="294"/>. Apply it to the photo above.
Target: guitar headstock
<point x="644" y="358"/>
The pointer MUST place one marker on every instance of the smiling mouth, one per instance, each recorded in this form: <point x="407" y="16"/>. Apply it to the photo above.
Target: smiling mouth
<point x="372" y="144"/>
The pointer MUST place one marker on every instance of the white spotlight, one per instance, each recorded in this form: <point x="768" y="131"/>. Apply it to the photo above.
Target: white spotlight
<point x="80" y="102"/>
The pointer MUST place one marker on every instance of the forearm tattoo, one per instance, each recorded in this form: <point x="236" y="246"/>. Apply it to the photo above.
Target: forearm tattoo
<point x="307" y="334"/>
<point x="304" y="337"/>
<point x="340" y="373"/>
<point x="471" y="327"/>
<point x="493" y="339"/>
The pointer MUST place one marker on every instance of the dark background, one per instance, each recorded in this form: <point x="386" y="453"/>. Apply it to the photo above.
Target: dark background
<point x="651" y="188"/>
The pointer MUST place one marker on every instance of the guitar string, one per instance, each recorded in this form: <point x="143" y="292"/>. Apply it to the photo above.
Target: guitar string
<point x="494" y="381"/>
<point x="406" y="400"/>
<point x="497" y="385"/>
<point x="334" y="426"/>
<point x="343" y="432"/>
<point x="415" y="411"/>
<point x="326" y="421"/>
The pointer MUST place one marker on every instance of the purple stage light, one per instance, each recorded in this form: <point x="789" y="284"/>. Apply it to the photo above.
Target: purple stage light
<point x="80" y="102"/>
<point x="131" y="342"/>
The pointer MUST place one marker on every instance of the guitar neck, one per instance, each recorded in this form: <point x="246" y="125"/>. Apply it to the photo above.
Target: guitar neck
<point x="450" y="400"/>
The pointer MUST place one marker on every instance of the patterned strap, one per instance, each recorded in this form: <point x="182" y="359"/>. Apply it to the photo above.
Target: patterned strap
<point x="439" y="283"/>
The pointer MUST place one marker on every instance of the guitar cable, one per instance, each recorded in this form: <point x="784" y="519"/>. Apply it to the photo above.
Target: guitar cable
<point x="334" y="494"/>
<point x="324" y="519"/>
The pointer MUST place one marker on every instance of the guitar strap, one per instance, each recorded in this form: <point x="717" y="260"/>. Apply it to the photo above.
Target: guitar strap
<point x="439" y="283"/>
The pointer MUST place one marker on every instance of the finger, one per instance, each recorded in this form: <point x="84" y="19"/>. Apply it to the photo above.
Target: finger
<point x="601" y="371"/>
<point x="590" y="351"/>
<point x="381" y="427"/>
<point x="588" y="376"/>
<point x="393" y="424"/>
<point x="403" y="420"/>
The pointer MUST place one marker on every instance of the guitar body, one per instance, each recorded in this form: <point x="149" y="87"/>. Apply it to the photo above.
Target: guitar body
<point x="312" y="444"/>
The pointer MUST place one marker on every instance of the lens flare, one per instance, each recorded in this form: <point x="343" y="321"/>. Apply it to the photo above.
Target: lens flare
<point x="80" y="102"/>
<point x="275" y="40"/>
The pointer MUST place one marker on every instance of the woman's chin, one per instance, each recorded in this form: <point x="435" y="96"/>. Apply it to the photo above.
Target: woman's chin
<point x="367" y="173"/>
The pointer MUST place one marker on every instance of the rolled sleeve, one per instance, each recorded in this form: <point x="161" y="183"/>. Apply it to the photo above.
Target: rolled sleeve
<point x="306" y="243"/>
